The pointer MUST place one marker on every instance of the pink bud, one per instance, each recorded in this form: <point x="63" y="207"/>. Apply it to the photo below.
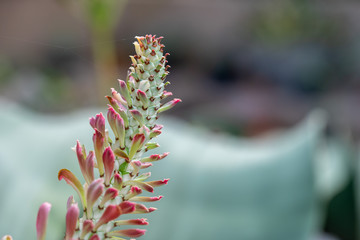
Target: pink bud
<point x="94" y="191"/>
<point x="127" y="207"/>
<point x="72" y="216"/>
<point x="117" y="181"/>
<point x="109" y="163"/>
<point x="120" y="127"/>
<point x="145" y="165"/>
<point x="158" y="127"/>
<point x="140" y="208"/>
<point x="84" y="164"/>
<point x="127" y="233"/>
<point x="113" y="102"/>
<point x="117" y="97"/>
<point x="111" y="116"/>
<point x="143" y="98"/>
<point x="98" y="122"/>
<point x="110" y="194"/>
<point x="133" y="192"/>
<point x="155" y="133"/>
<point x="136" y="165"/>
<point x="166" y="94"/>
<point x="89" y="167"/>
<point x="138" y="116"/>
<point x="152" y="158"/>
<point x="111" y="212"/>
<point x="98" y="141"/>
<point x="70" y="202"/>
<point x="141" y="185"/>
<point x="70" y="179"/>
<point x="124" y="91"/>
<point x="169" y="105"/>
<point x="158" y="183"/>
<point x="41" y="220"/>
<point x="146" y="199"/>
<point x="88" y="226"/>
<point x="141" y="221"/>
<point x="137" y="143"/>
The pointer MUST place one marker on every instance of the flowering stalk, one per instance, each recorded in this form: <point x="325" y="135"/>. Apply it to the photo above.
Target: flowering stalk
<point x="118" y="156"/>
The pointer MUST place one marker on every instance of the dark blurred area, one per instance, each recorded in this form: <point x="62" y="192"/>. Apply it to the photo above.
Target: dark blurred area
<point x="243" y="67"/>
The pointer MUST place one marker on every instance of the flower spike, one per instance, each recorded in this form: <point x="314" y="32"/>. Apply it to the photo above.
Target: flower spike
<point x="118" y="162"/>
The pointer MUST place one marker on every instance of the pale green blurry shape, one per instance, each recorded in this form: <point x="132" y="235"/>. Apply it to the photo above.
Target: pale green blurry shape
<point x="220" y="186"/>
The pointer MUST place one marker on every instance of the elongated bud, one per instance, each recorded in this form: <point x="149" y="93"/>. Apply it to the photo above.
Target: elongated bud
<point x="70" y="179"/>
<point x="155" y="133"/>
<point x="111" y="212"/>
<point x="88" y="226"/>
<point x="124" y="117"/>
<point x="140" y="208"/>
<point x="94" y="191"/>
<point x="98" y="122"/>
<point x="138" y="116"/>
<point x="113" y="103"/>
<point x="117" y="181"/>
<point x="127" y="233"/>
<point x="151" y="158"/>
<point x="154" y="157"/>
<point x="169" y="105"/>
<point x="146" y="199"/>
<point x="125" y="92"/>
<point x="89" y="167"/>
<point x="120" y="127"/>
<point x="118" y="97"/>
<point x="109" y="163"/>
<point x="110" y="194"/>
<point x="122" y="154"/>
<point x="136" y="144"/>
<point x="158" y="183"/>
<point x="84" y="164"/>
<point x="166" y="94"/>
<point x="141" y="185"/>
<point x="142" y="221"/>
<point x="99" y="140"/>
<point x="111" y="116"/>
<point x="136" y="166"/>
<point x="151" y="145"/>
<point x="127" y="207"/>
<point x="72" y="216"/>
<point x="41" y="220"/>
<point x="143" y="98"/>
<point x="134" y="191"/>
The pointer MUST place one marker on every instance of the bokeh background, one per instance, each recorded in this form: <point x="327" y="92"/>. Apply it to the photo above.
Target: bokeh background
<point x="241" y="67"/>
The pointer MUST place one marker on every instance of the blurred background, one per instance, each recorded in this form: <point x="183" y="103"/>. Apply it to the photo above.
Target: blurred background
<point x="241" y="67"/>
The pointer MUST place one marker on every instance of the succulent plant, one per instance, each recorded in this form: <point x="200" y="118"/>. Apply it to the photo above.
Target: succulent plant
<point x="114" y="190"/>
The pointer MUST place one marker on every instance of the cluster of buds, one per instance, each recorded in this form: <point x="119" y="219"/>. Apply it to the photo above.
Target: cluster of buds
<point x="119" y="157"/>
